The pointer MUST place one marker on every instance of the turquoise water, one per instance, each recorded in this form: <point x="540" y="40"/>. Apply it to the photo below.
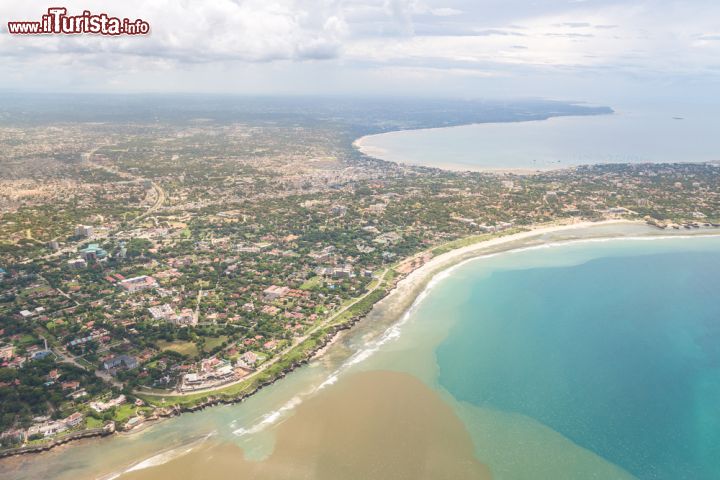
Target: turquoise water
<point x="620" y="354"/>
<point x="577" y="361"/>
<point x="629" y="136"/>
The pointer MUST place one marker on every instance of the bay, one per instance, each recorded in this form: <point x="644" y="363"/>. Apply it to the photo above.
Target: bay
<point x="627" y="136"/>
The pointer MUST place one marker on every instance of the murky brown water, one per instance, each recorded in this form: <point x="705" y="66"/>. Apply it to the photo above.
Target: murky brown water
<point x="370" y="425"/>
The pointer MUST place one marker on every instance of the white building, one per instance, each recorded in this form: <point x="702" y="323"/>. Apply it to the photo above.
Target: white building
<point x="162" y="312"/>
<point x="84" y="231"/>
<point x="137" y="284"/>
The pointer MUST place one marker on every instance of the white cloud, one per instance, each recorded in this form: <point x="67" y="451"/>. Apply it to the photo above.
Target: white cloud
<point x="248" y="30"/>
<point x="446" y="12"/>
<point x="463" y="38"/>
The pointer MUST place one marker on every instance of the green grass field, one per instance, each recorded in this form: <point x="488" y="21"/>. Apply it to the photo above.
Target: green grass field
<point x="312" y="283"/>
<point x="91" y="422"/>
<point x="179" y="346"/>
<point x="123" y="412"/>
<point x="212" y="342"/>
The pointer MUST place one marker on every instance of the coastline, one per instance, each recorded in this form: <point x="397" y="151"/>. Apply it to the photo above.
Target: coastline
<point x="396" y="300"/>
<point x="411" y="286"/>
<point x="377" y="154"/>
<point x="526" y="146"/>
<point x="360" y="144"/>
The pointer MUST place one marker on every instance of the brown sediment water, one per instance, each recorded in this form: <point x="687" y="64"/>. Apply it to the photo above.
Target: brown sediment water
<point x="412" y="353"/>
<point x="370" y="425"/>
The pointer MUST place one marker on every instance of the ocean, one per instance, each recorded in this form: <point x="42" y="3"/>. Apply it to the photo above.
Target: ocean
<point x="584" y="358"/>
<point x="627" y="136"/>
<point x="619" y="354"/>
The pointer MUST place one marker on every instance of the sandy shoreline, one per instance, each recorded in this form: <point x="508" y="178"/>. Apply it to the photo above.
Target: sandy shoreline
<point x="409" y="287"/>
<point x="379" y="153"/>
<point x="396" y="304"/>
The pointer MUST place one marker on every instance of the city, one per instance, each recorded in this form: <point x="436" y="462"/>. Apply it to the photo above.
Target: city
<point x="145" y="272"/>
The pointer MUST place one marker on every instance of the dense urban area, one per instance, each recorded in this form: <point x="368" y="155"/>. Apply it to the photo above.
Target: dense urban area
<point x="149" y="264"/>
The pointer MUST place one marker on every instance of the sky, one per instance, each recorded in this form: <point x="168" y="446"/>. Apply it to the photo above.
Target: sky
<point x="600" y="51"/>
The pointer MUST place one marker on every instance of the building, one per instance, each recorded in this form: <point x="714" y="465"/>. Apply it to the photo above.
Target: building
<point x="78" y="394"/>
<point x="74" y="420"/>
<point x="47" y="429"/>
<point x="12" y="437"/>
<point x="84" y="231"/>
<point x="162" y="312"/>
<point x="323" y="256"/>
<point x="249" y="358"/>
<point x="213" y="371"/>
<point x="93" y="252"/>
<point x="274" y="292"/>
<point x="119" y="362"/>
<point x="346" y="271"/>
<point x="185" y="317"/>
<point x="122" y="253"/>
<point x="339" y="210"/>
<point x="7" y="352"/>
<point x="102" y="406"/>
<point x="70" y="385"/>
<point x="137" y="284"/>
<point x="39" y="355"/>
<point x="389" y="238"/>
<point x="376" y="208"/>
<point x="77" y="263"/>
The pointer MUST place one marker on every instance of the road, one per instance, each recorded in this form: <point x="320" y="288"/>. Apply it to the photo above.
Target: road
<point x="285" y="352"/>
<point x="159" y="202"/>
<point x="66" y="357"/>
<point x="160" y="193"/>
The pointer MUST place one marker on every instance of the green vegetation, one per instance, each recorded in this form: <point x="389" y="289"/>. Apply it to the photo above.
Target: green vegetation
<point x="179" y="346"/>
<point x="312" y="283"/>
<point x="254" y="235"/>
<point x="92" y="422"/>
<point x="124" y="412"/>
<point x="211" y="343"/>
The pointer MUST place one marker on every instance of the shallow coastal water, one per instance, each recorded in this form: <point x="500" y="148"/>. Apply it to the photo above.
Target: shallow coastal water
<point x="371" y="425"/>
<point x="628" y="136"/>
<point x="543" y="363"/>
<point x="619" y="354"/>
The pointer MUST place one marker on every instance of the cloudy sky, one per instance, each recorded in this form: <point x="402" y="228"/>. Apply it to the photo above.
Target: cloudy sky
<point x="596" y="50"/>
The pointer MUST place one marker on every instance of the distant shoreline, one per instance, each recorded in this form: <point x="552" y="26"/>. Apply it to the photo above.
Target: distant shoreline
<point x="553" y="143"/>
<point x="360" y="144"/>
<point x="398" y="299"/>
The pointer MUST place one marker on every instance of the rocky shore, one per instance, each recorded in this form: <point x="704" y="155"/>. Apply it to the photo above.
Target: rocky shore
<point x="210" y="401"/>
<point x="215" y="400"/>
<point x="403" y="289"/>
<point x="44" y="447"/>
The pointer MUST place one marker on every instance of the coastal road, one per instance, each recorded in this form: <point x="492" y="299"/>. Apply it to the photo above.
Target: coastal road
<point x="283" y="353"/>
